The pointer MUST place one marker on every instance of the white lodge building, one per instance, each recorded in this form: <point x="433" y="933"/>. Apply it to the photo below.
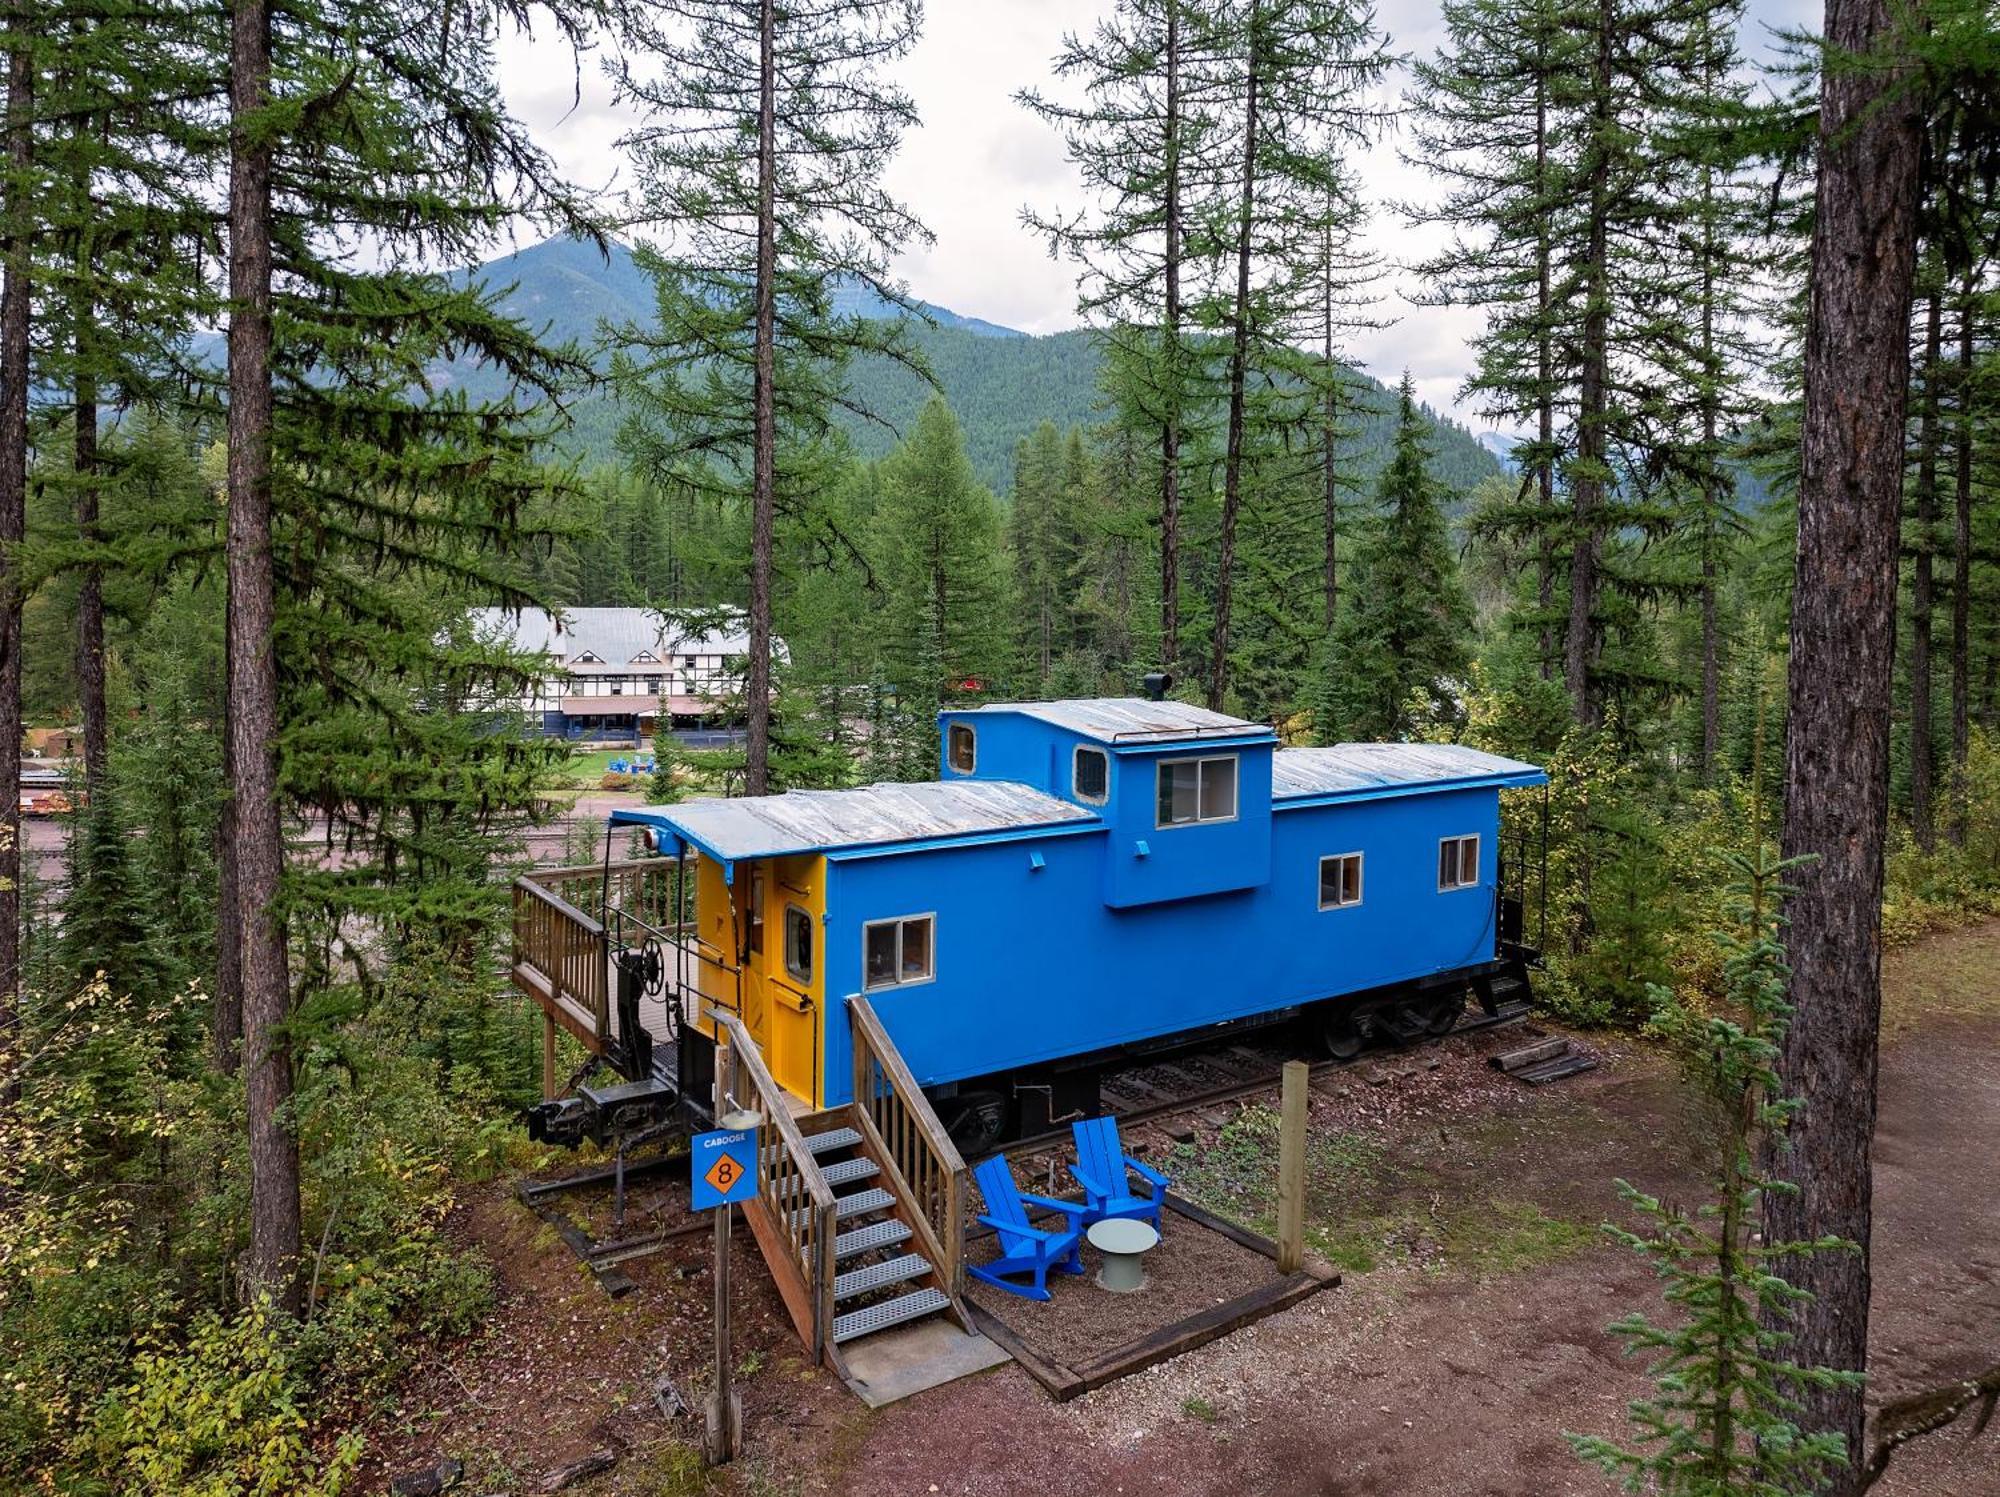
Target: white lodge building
<point x="620" y="671"/>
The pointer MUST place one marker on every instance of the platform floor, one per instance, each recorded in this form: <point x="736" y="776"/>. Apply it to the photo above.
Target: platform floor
<point x="892" y="1365"/>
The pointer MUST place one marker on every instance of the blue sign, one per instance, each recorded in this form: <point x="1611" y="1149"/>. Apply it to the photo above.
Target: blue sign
<point x="725" y="1167"/>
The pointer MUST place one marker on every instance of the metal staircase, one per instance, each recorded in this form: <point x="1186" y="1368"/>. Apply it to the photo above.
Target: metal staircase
<point x="859" y="1210"/>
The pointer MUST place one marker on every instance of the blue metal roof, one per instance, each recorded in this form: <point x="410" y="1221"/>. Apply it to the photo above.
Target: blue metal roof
<point x="1131" y="720"/>
<point x="1367" y="769"/>
<point x="767" y="826"/>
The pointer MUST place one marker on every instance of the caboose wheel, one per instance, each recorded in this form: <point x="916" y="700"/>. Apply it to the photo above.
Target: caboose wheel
<point x="1442" y="1016"/>
<point x="1341" y="1035"/>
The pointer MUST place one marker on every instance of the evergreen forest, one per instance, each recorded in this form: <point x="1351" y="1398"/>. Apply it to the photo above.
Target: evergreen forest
<point x="279" y="406"/>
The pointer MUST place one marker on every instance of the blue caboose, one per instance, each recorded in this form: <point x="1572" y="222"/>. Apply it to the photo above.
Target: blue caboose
<point x="1087" y="878"/>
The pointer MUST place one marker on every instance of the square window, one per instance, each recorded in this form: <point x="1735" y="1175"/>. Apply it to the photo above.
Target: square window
<point x="1340" y="881"/>
<point x="798" y="943"/>
<point x="1193" y="790"/>
<point x="960" y="747"/>
<point x="895" y="952"/>
<point x="1458" y="862"/>
<point x="1090" y="776"/>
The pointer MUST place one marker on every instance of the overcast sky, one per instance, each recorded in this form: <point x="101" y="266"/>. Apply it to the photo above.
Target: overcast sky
<point x="979" y="157"/>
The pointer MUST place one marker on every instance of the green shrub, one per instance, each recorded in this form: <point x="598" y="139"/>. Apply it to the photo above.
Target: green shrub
<point x="213" y="1414"/>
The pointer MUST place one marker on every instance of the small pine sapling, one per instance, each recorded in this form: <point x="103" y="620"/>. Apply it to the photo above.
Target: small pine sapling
<point x="1720" y="1422"/>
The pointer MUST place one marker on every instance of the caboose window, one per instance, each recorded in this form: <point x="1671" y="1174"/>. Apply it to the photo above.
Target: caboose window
<point x="960" y="747"/>
<point x="1458" y="863"/>
<point x="1194" y="790"/>
<point x="1340" y="880"/>
<point x="1091" y="776"/>
<point x="798" y="943"/>
<point x="897" y="952"/>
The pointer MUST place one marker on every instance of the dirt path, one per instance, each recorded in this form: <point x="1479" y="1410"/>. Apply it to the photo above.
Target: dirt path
<point x="1468" y="1338"/>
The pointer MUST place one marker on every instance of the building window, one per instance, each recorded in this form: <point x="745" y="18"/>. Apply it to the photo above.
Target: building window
<point x="1340" y="881"/>
<point x="897" y="952"/>
<point x="1458" y="863"/>
<point x="960" y="747"/>
<point x="798" y="943"/>
<point x="1195" y="790"/>
<point x="1090" y="775"/>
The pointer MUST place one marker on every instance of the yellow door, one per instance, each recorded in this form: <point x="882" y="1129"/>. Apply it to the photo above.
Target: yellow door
<point x="792" y="975"/>
<point x="764" y="933"/>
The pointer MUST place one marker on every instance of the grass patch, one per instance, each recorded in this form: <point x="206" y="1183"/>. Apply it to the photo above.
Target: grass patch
<point x="1199" y="1408"/>
<point x="1368" y="1206"/>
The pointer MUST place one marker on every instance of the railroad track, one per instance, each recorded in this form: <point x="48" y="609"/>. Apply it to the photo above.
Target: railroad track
<point x="1196" y="1079"/>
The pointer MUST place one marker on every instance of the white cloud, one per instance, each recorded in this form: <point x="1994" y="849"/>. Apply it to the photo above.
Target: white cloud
<point x="979" y="158"/>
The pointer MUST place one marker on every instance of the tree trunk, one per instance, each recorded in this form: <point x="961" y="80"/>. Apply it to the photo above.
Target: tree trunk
<point x="1922" y="586"/>
<point x="763" y="410"/>
<point x="1961" y="573"/>
<point x="1545" y="399"/>
<point x="90" y="590"/>
<point x="14" y="313"/>
<point x="1841" y="678"/>
<point x="1329" y="433"/>
<point x="1712" y="494"/>
<point x="253" y="672"/>
<point x="1588" y="487"/>
<point x="1239" y="365"/>
<point x="1170" y="425"/>
<point x="227" y="1027"/>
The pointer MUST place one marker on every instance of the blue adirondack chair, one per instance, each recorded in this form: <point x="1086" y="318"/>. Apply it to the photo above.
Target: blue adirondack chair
<point x="1024" y="1249"/>
<point x="1102" y="1167"/>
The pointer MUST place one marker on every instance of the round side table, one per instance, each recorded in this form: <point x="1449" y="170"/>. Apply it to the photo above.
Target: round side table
<point x="1124" y="1245"/>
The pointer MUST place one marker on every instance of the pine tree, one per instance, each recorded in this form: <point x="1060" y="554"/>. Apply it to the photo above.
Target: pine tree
<point x="1483" y="119"/>
<point x="937" y="542"/>
<point x="1146" y="140"/>
<point x="738" y="384"/>
<point x="1296" y="80"/>
<point x="1405" y="631"/>
<point x="1723" y="1421"/>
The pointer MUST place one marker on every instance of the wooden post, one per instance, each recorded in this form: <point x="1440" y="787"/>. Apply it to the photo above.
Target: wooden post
<point x="725" y="1410"/>
<point x="548" y="1055"/>
<point x="1292" y="1168"/>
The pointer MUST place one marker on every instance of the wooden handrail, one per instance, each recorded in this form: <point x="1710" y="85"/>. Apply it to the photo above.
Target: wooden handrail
<point x="921" y="1163"/>
<point x="789" y="1181"/>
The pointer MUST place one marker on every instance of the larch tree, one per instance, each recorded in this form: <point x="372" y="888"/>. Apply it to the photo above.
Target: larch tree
<point x="17" y="194"/>
<point x="1144" y="137"/>
<point x="1404" y="629"/>
<point x="945" y="613"/>
<point x="1483" y="120"/>
<point x="766" y="130"/>
<point x="1841" y="679"/>
<point x="1295" y="80"/>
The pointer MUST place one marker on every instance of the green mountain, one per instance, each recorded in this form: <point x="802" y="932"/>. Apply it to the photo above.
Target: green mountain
<point x="1001" y="382"/>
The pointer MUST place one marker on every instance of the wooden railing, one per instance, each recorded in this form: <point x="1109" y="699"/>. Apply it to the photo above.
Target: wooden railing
<point x="560" y="957"/>
<point x="793" y="1215"/>
<point x="919" y="1161"/>
<point x="560" y="960"/>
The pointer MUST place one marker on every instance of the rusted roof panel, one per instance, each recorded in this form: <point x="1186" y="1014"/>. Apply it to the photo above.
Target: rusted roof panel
<point x="1131" y="719"/>
<point x="825" y="820"/>
<point x="1359" y="768"/>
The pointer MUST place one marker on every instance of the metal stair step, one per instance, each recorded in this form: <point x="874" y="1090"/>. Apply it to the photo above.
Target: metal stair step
<point x="859" y="1204"/>
<point x="875" y="1235"/>
<point x="849" y="1170"/>
<point x="879" y="1275"/>
<point x="835" y="1138"/>
<point x="888" y="1312"/>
